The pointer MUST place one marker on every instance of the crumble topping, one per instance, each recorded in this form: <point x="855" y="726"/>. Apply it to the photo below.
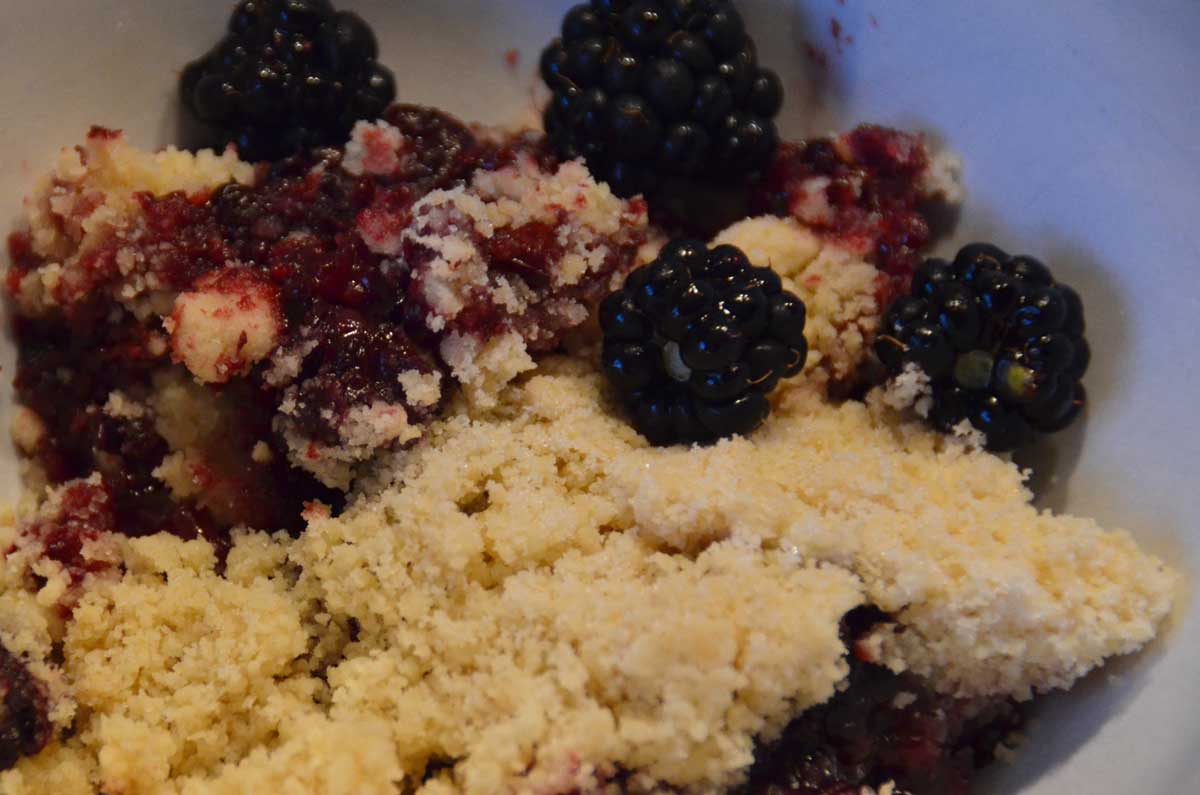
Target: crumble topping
<point x="225" y="324"/>
<point x="483" y="368"/>
<point x="373" y="148"/>
<point x="121" y="406"/>
<point x="265" y="282"/>
<point x="27" y="429"/>
<point x="361" y="432"/>
<point x="85" y="216"/>
<point x="519" y="248"/>
<point x="527" y="573"/>
<point x="866" y="190"/>
<point x="841" y="290"/>
<point x="909" y="390"/>
<point x="421" y="389"/>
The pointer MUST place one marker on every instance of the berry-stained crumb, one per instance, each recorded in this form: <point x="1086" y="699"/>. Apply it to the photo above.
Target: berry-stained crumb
<point x="519" y="255"/>
<point x="310" y="291"/>
<point x="87" y="234"/>
<point x="71" y="537"/>
<point x="227" y="322"/>
<point x="374" y="148"/>
<point x="867" y="190"/>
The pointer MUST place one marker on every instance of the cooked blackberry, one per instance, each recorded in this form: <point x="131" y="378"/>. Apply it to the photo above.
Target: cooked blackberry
<point x="289" y="75"/>
<point x="24" y="722"/>
<point x="654" y="90"/>
<point x="696" y="340"/>
<point x="1000" y="340"/>
<point x="883" y="727"/>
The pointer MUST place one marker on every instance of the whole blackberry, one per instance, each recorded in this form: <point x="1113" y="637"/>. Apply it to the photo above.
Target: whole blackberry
<point x="651" y="90"/>
<point x="696" y="340"/>
<point x="1000" y="340"/>
<point x="289" y="75"/>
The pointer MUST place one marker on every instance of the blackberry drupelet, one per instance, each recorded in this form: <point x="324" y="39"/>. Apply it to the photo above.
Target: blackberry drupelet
<point x="289" y="75"/>
<point x="1001" y="341"/>
<point x="696" y="340"/>
<point x="647" y="91"/>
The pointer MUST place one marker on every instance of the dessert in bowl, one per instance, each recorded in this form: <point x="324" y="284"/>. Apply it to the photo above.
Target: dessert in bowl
<point x="422" y="455"/>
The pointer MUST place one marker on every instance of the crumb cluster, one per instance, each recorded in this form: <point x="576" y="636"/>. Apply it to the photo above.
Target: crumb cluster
<point x="86" y="225"/>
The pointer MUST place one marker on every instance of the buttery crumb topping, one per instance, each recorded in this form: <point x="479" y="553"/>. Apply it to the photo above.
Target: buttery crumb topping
<point x="541" y="598"/>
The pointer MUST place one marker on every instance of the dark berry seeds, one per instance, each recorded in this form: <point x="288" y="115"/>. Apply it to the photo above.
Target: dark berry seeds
<point x="289" y="75"/>
<point x="646" y="90"/>
<point x="696" y="340"/>
<point x="1001" y="341"/>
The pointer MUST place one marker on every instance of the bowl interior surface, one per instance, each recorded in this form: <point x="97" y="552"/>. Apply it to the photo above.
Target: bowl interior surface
<point x="1079" y="125"/>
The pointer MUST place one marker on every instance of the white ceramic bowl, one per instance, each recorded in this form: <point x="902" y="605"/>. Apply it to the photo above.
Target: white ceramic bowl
<point x="1079" y="123"/>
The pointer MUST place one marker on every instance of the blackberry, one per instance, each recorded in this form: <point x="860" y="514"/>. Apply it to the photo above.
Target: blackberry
<point x="648" y="91"/>
<point x="1001" y="341"/>
<point x="25" y="727"/>
<point x="289" y="75"/>
<point x="696" y="340"/>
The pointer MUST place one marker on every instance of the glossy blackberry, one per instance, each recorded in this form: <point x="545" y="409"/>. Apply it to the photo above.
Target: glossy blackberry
<point x="647" y="91"/>
<point x="289" y="75"/>
<point x="1001" y="341"/>
<point x="697" y="339"/>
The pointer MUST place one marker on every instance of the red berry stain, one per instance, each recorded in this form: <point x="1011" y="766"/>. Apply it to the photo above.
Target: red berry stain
<point x="83" y="515"/>
<point x="347" y="314"/>
<point x="295" y="228"/>
<point x="840" y="37"/>
<point x="103" y="133"/>
<point x="21" y="259"/>
<point x="870" y="178"/>
<point x="818" y="56"/>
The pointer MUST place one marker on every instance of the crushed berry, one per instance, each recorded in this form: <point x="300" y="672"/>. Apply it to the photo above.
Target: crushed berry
<point x="446" y="150"/>
<point x="334" y="293"/>
<point x="528" y="251"/>
<point x="69" y="364"/>
<point x="862" y="189"/>
<point x="24" y="713"/>
<point x="350" y="321"/>
<point x="883" y="727"/>
<point x="354" y="361"/>
<point x="85" y="513"/>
